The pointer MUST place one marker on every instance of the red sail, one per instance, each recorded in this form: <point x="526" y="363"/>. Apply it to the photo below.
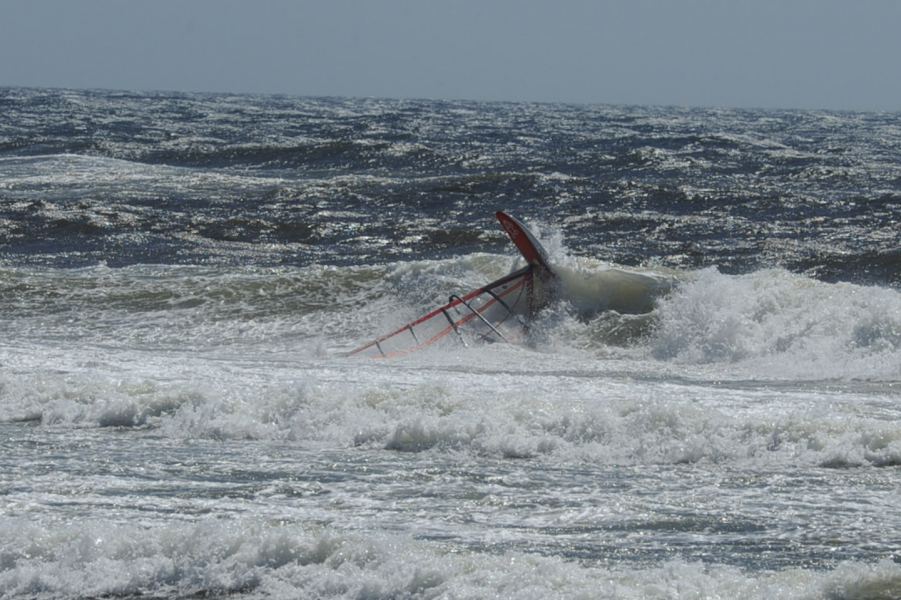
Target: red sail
<point x="491" y="313"/>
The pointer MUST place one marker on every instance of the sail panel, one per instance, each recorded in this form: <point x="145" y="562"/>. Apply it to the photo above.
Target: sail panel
<point x="489" y="313"/>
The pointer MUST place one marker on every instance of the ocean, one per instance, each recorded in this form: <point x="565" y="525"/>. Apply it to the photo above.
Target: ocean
<point x="183" y="275"/>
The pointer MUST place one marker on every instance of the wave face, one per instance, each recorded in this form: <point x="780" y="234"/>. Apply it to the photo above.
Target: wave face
<point x="708" y="408"/>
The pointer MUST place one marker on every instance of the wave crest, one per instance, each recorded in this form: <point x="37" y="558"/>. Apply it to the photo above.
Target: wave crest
<point x="782" y="324"/>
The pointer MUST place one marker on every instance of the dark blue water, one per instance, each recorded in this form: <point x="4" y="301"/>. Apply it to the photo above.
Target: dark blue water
<point x="282" y="180"/>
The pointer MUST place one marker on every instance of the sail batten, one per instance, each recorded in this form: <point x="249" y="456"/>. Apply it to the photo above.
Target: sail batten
<point x="487" y="315"/>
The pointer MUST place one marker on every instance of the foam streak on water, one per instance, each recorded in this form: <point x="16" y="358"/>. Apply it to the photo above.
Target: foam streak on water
<point x="709" y="408"/>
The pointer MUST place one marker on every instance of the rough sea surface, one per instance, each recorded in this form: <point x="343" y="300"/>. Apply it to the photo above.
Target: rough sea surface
<point x="181" y="276"/>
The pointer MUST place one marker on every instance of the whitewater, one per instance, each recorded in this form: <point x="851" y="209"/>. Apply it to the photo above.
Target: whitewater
<point x="710" y="409"/>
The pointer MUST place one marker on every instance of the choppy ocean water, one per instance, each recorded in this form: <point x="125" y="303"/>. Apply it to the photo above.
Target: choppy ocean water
<point x="181" y="275"/>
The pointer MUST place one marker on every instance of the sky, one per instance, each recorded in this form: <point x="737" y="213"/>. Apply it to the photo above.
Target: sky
<point x="832" y="54"/>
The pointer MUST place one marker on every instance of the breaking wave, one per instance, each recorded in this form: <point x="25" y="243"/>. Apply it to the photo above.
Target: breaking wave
<point x="557" y="411"/>
<point x="252" y="558"/>
<point x="781" y="325"/>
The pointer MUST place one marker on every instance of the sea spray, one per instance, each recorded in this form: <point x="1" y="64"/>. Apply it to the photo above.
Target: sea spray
<point x="780" y="324"/>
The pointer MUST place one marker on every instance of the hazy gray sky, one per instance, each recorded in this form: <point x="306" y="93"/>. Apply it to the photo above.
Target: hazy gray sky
<point x="839" y="54"/>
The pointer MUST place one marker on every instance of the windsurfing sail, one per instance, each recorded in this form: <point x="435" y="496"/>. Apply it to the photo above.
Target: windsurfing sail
<point x="496" y="312"/>
<point x="490" y="313"/>
<point x="528" y="246"/>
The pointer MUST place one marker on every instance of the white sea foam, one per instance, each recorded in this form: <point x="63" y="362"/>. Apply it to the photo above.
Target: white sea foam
<point x="498" y="401"/>
<point x="774" y="324"/>
<point x="257" y="559"/>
